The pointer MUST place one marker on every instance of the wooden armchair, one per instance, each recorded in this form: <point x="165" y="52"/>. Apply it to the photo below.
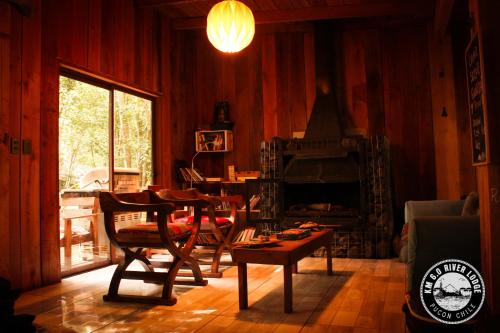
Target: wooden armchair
<point x="216" y="231"/>
<point x="156" y="233"/>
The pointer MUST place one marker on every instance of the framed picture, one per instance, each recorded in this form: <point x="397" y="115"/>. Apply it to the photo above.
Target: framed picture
<point x="477" y="102"/>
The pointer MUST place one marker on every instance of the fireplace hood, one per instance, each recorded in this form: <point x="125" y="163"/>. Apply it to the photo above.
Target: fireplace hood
<point x="325" y="155"/>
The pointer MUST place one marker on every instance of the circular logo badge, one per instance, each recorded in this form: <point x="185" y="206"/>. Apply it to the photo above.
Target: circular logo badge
<point x="452" y="291"/>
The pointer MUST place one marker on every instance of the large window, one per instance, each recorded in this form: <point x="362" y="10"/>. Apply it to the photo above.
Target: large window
<point x="99" y="126"/>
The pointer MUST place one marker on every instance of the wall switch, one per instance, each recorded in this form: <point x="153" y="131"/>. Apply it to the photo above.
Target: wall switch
<point x="27" y="150"/>
<point x="15" y="146"/>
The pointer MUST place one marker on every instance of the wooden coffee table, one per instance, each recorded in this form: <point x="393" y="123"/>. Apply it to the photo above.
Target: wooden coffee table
<point x="287" y="253"/>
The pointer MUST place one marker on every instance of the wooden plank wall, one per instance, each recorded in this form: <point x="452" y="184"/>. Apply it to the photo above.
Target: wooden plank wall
<point x="106" y="38"/>
<point x="385" y="86"/>
<point x="488" y="175"/>
<point x="30" y="161"/>
<point x="270" y="73"/>
<point x="7" y="244"/>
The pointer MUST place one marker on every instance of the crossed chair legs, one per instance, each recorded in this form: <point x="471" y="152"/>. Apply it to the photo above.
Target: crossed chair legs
<point x="225" y="242"/>
<point x="181" y="257"/>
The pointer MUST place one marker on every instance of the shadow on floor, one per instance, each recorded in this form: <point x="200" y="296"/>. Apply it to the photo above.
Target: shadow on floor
<point x="312" y="288"/>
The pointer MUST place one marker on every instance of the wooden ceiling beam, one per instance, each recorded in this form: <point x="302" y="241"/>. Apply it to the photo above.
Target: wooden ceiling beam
<point x="414" y="9"/>
<point x="163" y="3"/>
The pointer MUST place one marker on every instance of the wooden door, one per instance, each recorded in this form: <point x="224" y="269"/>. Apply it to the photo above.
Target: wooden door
<point x="20" y="38"/>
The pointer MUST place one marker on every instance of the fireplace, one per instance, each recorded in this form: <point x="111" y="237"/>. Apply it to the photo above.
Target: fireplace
<point x="330" y="178"/>
<point x="323" y="181"/>
<point x="347" y="188"/>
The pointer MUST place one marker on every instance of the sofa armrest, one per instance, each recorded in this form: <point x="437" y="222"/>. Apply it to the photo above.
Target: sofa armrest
<point x="435" y="238"/>
<point x="433" y="208"/>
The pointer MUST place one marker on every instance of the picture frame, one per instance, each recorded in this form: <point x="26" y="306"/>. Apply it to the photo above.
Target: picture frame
<point x="477" y="102"/>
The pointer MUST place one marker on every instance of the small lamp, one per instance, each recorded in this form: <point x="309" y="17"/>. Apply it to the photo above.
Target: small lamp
<point x="192" y="167"/>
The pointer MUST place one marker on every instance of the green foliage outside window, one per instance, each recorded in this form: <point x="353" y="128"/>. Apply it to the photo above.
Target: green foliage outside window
<point x="84" y="131"/>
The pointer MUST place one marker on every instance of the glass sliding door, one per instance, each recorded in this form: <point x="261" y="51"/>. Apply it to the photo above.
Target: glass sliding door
<point x="132" y="142"/>
<point x="98" y="125"/>
<point x="83" y="167"/>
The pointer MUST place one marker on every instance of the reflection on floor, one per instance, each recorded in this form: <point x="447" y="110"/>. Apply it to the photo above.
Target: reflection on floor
<point x="83" y="255"/>
<point x="363" y="296"/>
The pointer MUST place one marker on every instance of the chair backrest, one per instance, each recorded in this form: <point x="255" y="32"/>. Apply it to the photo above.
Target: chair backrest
<point x="188" y="194"/>
<point x="115" y="204"/>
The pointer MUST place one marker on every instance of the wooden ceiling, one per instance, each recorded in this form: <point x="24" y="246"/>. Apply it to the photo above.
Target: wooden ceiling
<point x="191" y="14"/>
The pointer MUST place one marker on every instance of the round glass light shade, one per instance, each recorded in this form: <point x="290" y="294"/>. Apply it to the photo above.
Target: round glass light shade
<point x="230" y="26"/>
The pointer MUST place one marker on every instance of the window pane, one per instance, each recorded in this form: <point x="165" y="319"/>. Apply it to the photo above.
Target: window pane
<point x="132" y="142"/>
<point x="83" y="134"/>
<point x="83" y="167"/>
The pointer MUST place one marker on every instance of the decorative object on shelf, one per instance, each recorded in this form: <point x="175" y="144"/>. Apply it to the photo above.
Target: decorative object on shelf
<point x="214" y="141"/>
<point x="231" y="173"/>
<point x="242" y="176"/>
<point x="221" y="116"/>
<point x="230" y="26"/>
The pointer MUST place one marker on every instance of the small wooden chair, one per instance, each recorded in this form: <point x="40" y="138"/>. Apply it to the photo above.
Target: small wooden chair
<point x="156" y="233"/>
<point x="77" y="205"/>
<point x="216" y="231"/>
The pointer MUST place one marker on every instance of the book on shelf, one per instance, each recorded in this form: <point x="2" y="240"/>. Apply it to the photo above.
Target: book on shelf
<point x="214" y="179"/>
<point x="188" y="174"/>
<point x="245" y="235"/>
<point x="254" y="200"/>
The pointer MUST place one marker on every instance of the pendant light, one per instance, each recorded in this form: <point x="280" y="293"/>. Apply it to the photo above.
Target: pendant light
<point x="230" y="26"/>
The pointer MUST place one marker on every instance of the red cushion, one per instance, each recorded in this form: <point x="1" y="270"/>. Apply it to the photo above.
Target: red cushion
<point x="149" y="232"/>
<point x="219" y="221"/>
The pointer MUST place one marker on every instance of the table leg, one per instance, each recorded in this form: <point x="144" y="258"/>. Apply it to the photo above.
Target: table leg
<point x="288" y="294"/>
<point x="68" y="235"/>
<point x="242" y="285"/>
<point x="329" y="266"/>
<point x="295" y="269"/>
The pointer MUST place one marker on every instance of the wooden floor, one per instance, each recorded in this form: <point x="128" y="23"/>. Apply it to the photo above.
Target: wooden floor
<point x="363" y="296"/>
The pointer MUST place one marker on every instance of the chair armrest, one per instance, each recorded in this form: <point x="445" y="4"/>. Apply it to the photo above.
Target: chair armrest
<point x="232" y="198"/>
<point x="164" y="196"/>
<point x="184" y="197"/>
<point x="114" y="204"/>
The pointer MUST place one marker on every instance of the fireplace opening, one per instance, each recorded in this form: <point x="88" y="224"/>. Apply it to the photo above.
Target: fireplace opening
<point x="325" y="203"/>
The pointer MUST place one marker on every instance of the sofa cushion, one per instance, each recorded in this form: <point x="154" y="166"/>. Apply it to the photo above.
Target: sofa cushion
<point x="471" y="205"/>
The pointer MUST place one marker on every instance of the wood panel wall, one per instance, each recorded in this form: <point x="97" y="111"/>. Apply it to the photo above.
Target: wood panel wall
<point x="408" y="114"/>
<point x="7" y="244"/>
<point x="107" y="39"/>
<point x="488" y="175"/>
<point x="382" y="77"/>
<point x="267" y="86"/>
